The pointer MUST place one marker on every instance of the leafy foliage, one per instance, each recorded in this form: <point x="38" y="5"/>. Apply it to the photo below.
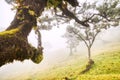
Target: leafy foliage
<point x="110" y="9"/>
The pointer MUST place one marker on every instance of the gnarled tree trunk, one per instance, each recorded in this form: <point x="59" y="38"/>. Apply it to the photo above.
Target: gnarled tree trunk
<point x="13" y="42"/>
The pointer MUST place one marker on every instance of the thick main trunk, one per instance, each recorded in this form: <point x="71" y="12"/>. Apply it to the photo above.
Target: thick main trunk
<point x="21" y="16"/>
<point x="22" y="13"/>
<point x="13" y="42"/>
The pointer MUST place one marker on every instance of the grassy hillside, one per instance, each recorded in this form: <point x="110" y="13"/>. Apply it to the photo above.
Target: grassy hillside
<point x="106" y="67"/>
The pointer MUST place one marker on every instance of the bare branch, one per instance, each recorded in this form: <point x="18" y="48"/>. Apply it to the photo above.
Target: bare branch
<point x="71" y="15"/>
<point x="81" y="38"/>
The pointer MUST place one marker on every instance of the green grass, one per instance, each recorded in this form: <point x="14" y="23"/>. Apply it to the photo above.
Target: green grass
<point x="107" y="63"/>
<point x="106" y="67"/>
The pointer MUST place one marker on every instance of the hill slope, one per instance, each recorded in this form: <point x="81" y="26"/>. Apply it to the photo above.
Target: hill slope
<point x="106" y="67"/>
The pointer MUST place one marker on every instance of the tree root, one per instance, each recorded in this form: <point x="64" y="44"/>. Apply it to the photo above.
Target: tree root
<point x="88" y="66"/>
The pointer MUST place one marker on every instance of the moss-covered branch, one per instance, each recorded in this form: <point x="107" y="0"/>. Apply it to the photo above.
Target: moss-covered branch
<point x="15" y="47"/>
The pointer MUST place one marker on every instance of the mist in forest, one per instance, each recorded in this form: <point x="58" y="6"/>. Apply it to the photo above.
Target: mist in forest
<point x="55" y="51"/>
<point x="55" y="47"/>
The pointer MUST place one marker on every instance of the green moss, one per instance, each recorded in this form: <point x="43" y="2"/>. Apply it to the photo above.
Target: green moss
<point x="53" y="3"/>
<point x="14" y="46"/>
<point x="9" y="32"/>
<point x="37" y="57"/>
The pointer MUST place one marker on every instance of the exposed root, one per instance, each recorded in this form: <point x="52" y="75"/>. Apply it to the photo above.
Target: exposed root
<point x="88" y="66"/>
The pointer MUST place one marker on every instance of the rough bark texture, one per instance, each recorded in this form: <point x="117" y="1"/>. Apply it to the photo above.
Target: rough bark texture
<point x="69" y="14"/>
<point x="13" y="48"/>
<point x="13" y="42"/>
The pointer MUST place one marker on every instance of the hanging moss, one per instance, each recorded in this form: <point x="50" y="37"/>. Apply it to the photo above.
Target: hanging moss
<point x="37" y="57"/>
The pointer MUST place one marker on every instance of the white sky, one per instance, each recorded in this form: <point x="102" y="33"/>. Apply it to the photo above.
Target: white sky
<point x="6" y="15"/>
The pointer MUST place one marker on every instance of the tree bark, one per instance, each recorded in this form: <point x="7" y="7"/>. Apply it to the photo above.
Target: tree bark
<point x="89" y="53"/>
<point x="13" y="42"/>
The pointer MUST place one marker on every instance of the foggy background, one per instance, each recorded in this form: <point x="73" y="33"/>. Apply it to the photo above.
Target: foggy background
<point x="55" y="50"/>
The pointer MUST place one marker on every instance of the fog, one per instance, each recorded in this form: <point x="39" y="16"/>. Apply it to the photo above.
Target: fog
<point x="55" y="51"/>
